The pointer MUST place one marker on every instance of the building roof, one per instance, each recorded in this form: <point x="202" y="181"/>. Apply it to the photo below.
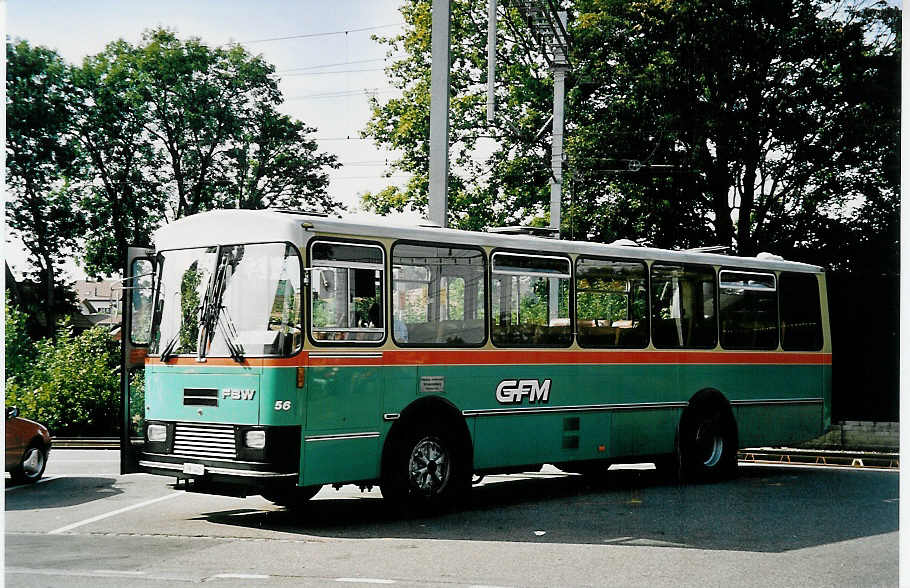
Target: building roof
<point x="89" y="289"/>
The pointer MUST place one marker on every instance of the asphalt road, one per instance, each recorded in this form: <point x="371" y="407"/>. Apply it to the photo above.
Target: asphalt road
<point x="772" y="526"/>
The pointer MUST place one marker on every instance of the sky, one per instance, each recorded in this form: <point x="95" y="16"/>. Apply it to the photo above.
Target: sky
<point x="325" y="79"/>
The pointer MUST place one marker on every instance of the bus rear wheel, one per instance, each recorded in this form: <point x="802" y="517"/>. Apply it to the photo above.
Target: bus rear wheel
<point x="707" y="444"/>
<point x="427" y="471"/>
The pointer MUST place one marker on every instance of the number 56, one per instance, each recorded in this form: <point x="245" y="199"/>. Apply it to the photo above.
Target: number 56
<point x="282" y="405"/>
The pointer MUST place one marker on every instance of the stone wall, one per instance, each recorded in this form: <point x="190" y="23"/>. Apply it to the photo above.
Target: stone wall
<point x="859" y="436"/>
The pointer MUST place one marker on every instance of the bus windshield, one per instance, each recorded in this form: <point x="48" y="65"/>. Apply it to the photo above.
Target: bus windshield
<point x="228" y="301"/>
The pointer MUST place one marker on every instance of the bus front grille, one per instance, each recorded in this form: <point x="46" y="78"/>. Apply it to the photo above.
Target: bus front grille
<point x="205" y="440"/>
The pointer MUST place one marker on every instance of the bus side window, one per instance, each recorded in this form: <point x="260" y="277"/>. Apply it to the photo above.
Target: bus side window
<point x="683" y="311"/>
<point x="438" y="295"/>
<point x="346" y="303"/>
<point x="748" y="310"/>
<point x="530" y="302"/>
<point x="611" y="303"/>
<point x="800" y="312"/>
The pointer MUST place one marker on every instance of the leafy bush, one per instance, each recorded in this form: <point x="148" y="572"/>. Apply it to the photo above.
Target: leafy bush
<point x="137" y="401"/>
<point x="20" y="349"/>
<point x="72" y="386"/>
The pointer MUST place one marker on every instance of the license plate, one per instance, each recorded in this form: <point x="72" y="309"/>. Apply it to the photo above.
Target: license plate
<point x="194" y="469"/>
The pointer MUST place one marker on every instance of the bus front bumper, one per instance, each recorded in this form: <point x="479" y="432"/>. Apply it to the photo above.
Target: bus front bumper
<point x="214" y="456"/>
<point x="246" y="477"/>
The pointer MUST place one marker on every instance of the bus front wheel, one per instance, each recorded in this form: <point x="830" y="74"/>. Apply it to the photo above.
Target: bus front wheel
<point x="426" y="472"/>
<point x="707" y="444"/>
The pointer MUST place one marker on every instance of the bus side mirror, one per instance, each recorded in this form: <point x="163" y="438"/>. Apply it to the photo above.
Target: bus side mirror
<point x="12" y="412"/>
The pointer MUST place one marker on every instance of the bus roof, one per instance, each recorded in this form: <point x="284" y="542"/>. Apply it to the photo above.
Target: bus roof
<point x="223" y="227"/>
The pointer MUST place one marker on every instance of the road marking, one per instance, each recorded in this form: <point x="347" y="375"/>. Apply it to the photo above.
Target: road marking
<point x="113" y="513"/>
<point x="241" y="576"/>
<point x="118" y="572"/>
<point x="365" y="580"/>
<point x="41" y="481"/>
<point x="82" y="573"/>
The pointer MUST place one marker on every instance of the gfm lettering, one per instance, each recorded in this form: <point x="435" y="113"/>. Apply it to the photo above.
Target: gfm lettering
<point x="514" y="391"/>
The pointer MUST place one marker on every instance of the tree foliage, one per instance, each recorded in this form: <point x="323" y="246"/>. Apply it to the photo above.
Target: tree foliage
<point x="19" y="347"/>
<point x="39" y="158"/>
<point x="175" y="127"/>
<point x="756" y="125"/>
<point x="123" y="196"/>
<point x="72" y="386"/>
<point x="32" y="301"/>
<point x="146" y="133"/>
<point x="511" y="185"/>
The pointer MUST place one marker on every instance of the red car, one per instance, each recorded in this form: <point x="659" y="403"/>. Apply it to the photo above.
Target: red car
<point x="27" y="447"/>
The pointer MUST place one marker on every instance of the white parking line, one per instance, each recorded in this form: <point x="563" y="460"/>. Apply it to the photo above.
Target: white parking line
<point x="68" y="572"/>
<point x="118" y="573"/>
<point x="113" y="513"/>
<point x="241" y="576"/>
<point x="166" y="579"/>
<point x="365" y="580"/>
<point x="41" y="481"/>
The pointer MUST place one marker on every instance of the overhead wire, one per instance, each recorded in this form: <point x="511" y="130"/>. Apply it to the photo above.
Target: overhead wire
<point x="342" y="94"/>
<point x="324" y="33"/>
<point x="325" y="65"/>
<point x="324" y="73"/>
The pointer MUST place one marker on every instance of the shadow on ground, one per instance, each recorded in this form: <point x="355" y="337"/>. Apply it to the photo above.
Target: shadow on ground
<point x="765" y="509"/>
<point x="60" y="492"/>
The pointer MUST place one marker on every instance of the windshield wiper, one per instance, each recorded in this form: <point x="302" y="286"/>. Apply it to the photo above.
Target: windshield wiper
<point x="168" y="351"/>
<point x="210" y="306"/>
<point x="229" y="331"/>
<point x="214" y="314"/>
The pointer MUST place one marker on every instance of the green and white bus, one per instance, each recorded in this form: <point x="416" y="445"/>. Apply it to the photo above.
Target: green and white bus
<point x="286" y="351"/>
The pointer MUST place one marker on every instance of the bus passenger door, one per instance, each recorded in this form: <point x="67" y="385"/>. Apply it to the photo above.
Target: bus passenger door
<point x="135" y="332"/>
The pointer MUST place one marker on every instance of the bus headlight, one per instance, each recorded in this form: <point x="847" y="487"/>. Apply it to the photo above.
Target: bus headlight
<point x="254" y="439"/>
<point x="156" y="433"/>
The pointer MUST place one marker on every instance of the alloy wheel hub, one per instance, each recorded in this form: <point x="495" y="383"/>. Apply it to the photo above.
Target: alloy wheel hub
<point x="428" y="467"/>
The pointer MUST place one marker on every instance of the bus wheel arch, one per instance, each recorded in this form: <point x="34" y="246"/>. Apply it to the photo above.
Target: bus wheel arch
<point x="430" y="433"/>
<point x="707" y="438"/>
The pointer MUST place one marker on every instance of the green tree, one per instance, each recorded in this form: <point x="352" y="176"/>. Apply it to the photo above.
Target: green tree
<point x="274" y="163"/>
<point x="756" y="107"/>
<point x="123" y="199"/>
<point x="31" y="300"/>
<point x="510" y="186"/>
<point x="213" y="113"/>
<point x="19" y="348"/>
<point x="176" y="127"/>
<point x="39" y="155"/>
<point x="761" y="126"/>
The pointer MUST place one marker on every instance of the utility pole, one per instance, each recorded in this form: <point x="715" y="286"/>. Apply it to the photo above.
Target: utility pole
<point x="548" y="25"/>
<point x="491" y="60"/>
<point x="439" y="113"/>
<point x="560" y="67"/>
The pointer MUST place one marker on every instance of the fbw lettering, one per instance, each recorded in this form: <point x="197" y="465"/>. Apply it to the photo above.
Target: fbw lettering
<point x="514" y="391"/>
<point x="238" y="394"/>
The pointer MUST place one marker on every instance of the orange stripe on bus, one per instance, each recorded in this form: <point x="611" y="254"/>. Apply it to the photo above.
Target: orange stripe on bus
<point x="538" y="357"/>
<point x="404" y="357"/>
